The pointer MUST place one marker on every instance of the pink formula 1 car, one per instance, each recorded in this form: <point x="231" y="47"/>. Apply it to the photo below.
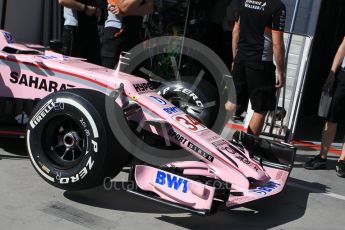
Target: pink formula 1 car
<point x="82" y="126"/>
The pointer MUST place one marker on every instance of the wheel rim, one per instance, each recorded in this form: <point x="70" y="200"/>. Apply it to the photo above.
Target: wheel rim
<point x="64" y="142"/>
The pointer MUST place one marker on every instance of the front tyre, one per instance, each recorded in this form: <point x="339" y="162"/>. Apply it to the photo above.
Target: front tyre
<point x="200" y="102"/>
<point x="69" y="140"/>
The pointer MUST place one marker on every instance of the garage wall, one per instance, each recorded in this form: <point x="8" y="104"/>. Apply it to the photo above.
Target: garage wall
<point x="306" y="17"/>
<point x="23" y="19"/>
<point x="33" y="21"/>
<point x="2" y="12"/>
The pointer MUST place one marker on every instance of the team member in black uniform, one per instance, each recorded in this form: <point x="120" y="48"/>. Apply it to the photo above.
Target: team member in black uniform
<point x="257" y="37"/>
<point x="336" y="114"/>
<point x="80" y="38"/>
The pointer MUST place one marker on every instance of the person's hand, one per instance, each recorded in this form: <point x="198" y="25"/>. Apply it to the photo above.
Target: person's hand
<point x="328" y="85"/>
<point x="90" y="10"/>
<point x="229" y="106"/>
<point x="114" y="10"/>
<point x="280" y="81"/>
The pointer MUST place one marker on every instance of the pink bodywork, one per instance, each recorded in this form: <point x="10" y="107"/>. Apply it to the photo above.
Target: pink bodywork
<point x="182" y="190"/>
<point x="32" y="76"/>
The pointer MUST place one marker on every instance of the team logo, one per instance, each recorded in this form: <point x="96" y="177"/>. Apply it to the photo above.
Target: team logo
<point x="159" y="100"/>
<point x="172" y="110"/>
<point x="171" y="181"/>
<point x="255" y="5"/>
<point x="143" y="87"/>
<point x="268" y="188"/>
<point x="8" y="37"/>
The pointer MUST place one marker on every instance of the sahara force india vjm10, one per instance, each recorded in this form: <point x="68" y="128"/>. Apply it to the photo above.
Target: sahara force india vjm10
<point x="77" y="134"/>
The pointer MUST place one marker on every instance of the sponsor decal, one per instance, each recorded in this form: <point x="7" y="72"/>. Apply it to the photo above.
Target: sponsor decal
<point x="143" y="87"/>
<point x="282" y="20"/>
<point x="42" y="113"/>
<point x="279" y="175"/>
<point x="212" y="138"/>
<point x="187" y="92"/>
<point x="22" y="118"/>
<point x="178" y="137"/>
<point x="241" y="199"/>
<point x="189" y="122"/>
<point x="255" y="5"/>
<point x="159" y="100"/>
<point x="264" y="190"/>
<point x="171" y="181"/>
<point x="8" y="37"/>
<point x="219" y="143"/>
<point x="181" y="139"/>
<point x="201" y="152"/>
<point x="80" y="175"/>
<point x="38" y="83"/>
<point x="206" y="133"/>
<point x="226" y="149"/>
<point x="172" y="110"/>
<point x="49" y="57"/>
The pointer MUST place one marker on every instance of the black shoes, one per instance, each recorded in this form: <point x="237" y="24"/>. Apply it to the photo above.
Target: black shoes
<point x="340" y="168"/>
<point x="316" y="163"/>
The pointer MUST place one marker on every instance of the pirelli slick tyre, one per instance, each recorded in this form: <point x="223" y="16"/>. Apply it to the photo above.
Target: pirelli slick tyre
<point x="69" y="140"/>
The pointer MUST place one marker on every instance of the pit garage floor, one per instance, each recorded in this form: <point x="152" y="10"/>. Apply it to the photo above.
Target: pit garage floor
<point x="312" y="200"/>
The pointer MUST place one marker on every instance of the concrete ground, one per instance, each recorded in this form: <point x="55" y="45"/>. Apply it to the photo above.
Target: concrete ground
<point x="312" y="200"/>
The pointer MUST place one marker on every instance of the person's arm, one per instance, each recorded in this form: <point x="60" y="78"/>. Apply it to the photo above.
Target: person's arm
<point x="278" y="25"/>
<point x="339" y="57"/>
<point x="126" y="6"/>
<point x="279" y="56"/>
<point x="235" y="37"/>
<point x="75" y="5"/>
<point x="132" y="8"/>
<point x="145" y="9"/>
<point x="234" y="16"/>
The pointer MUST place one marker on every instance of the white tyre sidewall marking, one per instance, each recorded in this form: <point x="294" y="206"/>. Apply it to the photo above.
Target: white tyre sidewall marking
<point x="82" y="110"/>
<point x="32" y="158"/>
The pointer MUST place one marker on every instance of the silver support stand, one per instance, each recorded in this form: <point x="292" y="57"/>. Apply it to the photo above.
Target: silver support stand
<point x="287" y="49"/>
